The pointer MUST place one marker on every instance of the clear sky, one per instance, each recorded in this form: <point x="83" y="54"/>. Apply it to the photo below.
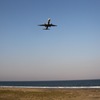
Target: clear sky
<point x="66" y="52"/>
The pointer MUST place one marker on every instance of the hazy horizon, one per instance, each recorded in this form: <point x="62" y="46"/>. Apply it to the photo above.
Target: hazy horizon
<point x="70" y="51"/>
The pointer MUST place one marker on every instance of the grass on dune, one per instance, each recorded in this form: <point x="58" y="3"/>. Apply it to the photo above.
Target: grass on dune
<point x="49" y="94"/>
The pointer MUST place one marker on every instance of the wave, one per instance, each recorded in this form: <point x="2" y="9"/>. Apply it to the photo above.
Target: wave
<point x="76" y="87"/>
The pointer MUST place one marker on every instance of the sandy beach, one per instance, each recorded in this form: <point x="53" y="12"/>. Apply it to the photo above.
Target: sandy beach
<point x="48" y="94"/>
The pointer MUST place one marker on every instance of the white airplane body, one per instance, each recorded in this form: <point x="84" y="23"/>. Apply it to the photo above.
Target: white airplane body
<point x="48" y="24"/>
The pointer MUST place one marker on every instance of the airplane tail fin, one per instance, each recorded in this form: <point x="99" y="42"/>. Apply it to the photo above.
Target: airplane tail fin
<point x="46" y="29"/>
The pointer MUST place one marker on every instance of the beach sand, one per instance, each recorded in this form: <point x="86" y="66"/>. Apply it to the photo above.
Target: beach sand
<point x="48" y="94"/>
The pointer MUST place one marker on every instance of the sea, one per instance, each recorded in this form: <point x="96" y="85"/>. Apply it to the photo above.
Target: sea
<point x="52" y="84"/>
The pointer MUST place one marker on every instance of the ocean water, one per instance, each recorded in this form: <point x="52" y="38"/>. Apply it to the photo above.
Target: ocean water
<point x="52" y="84"/>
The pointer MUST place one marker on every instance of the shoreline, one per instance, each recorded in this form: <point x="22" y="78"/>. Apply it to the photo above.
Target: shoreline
<point x="74" y="87"/>
<point x="13" y="93"/>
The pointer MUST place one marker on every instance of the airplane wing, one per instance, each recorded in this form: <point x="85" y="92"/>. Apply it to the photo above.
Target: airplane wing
<point x="53" y="25"/>
<point x="41" y="25"/>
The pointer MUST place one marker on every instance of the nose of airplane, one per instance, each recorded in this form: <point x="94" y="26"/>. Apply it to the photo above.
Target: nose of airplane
<point x="49" y="19"/>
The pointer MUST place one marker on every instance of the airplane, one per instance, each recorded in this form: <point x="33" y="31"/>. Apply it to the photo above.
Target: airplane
<point x="48" y="24"/>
